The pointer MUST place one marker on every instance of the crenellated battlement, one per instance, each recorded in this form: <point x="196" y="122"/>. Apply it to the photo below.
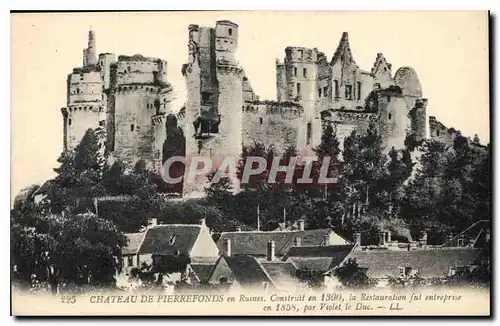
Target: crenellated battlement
<point x="353" y="116"/>
<point x="145" y="88"/>
<point x="288" y="110"/>
<point x="158" y="118"/>
<point x="224" y="67"/>
<point x="90" y="108"/>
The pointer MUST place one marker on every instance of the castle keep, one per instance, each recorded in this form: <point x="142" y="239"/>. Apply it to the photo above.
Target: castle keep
<point x="127" y="100"/>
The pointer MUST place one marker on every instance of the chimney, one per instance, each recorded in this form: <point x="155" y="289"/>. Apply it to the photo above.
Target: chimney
<point x="271" y="247"/>
<point x="357" y="238"/>
<point x="227" y="247"/>
<point x="381" y="238"/>
<point x="449" y="238"/>
<point x="238" y="229"/>
<point x="423" y="238"/>
<point x="389" y="236"/>
<point x="326" y="240"/>
<point x="152" y="221"/>
<point x="461" y="241"/>
<point x="301" y="224"/>
<point x="297" y="242"/>
<point x="203" y="222"/>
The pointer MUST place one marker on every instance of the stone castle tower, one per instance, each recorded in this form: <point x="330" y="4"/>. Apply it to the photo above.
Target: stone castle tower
<point x="125" y="101"/>
<point x="339" y="92"/>
<point x="214" y="81"/>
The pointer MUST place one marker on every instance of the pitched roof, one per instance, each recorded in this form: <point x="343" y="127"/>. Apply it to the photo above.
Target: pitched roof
<point x="318" y="258"/>
<point x="281" y="273"/>
<point x="339" y="252"/>
<point x="247" y="271"/>
<point x="429" y="263"/>
<point x="472" y="232"/>
<point x="133" y="243"/>
<point x="255" y="242"/>
<point x="203" y="271"/>
<point x="343" y="51"/>
<point x="166" y="239"/>
<point x="320" y="264"/>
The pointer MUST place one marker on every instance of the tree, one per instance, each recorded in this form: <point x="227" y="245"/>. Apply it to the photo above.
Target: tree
<point x="363" y="175"/>
<point x="79" y="176"/>
<point x="352" y="276"/>
<point x="78" y="249"/>
<point x="219" y="193"/>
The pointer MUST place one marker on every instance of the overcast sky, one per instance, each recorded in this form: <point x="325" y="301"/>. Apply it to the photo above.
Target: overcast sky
<point x="449" y="51"/>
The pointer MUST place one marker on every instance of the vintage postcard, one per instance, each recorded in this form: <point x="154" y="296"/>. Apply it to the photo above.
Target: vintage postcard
<point x="250" y="163"/>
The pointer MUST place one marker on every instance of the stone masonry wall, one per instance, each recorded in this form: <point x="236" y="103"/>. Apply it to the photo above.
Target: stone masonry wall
<point x="262" y="126"/>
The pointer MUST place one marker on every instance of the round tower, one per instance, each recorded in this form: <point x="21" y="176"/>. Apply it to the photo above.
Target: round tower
<point x="90" y="53"/>
<point x="85" y="108"/>
<point x="226" y="41"/>
<point x="139" y="102"/>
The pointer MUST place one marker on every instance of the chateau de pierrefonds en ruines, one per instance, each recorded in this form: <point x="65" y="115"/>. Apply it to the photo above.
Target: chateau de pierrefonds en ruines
<point x="127" y="100"/>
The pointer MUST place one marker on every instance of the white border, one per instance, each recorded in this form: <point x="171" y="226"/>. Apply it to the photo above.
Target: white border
<point x="196" y="5"/>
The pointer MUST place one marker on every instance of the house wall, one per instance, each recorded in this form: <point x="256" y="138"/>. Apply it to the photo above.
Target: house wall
<point x="204" y="245"/>
<point x="336" y="239"/>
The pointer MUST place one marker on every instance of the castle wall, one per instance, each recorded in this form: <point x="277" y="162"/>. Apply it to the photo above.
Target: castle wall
<point x="349" y="78"/>
<point x="136" y="70"/>
<point x="281" y="93"/>
<point x="393" y="120"/>
<point x="84" y="86"/>
<point x="270" y="125"/>
<point x="79" y="119"/>
<point x="440" y="132"/>
<point x="230" y="103"/>
<point x="105" y="62"/>
<point x="418" y="116"/>
<point x="248" y="93"/>
<point x="381" y="72"/>
<point x="134" y="133"/>
<point x="347" y="122"/>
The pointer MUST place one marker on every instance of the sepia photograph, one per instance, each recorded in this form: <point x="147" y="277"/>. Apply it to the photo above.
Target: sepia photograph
<point x="250" y="163"/>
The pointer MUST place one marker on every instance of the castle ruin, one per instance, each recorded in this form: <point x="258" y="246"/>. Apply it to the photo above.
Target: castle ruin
<point x="127" y="100"/>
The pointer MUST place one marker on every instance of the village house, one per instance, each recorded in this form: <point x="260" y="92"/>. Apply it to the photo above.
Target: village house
<point x="162" y="242"/>
<point x="254" y="243"/>
<point x="249" y="272"/>
<point x="392" y="259"/>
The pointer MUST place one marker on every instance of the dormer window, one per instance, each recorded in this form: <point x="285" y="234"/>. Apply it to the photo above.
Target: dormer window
<point x="404" y="271"/>
<point x="171" y="240"/>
